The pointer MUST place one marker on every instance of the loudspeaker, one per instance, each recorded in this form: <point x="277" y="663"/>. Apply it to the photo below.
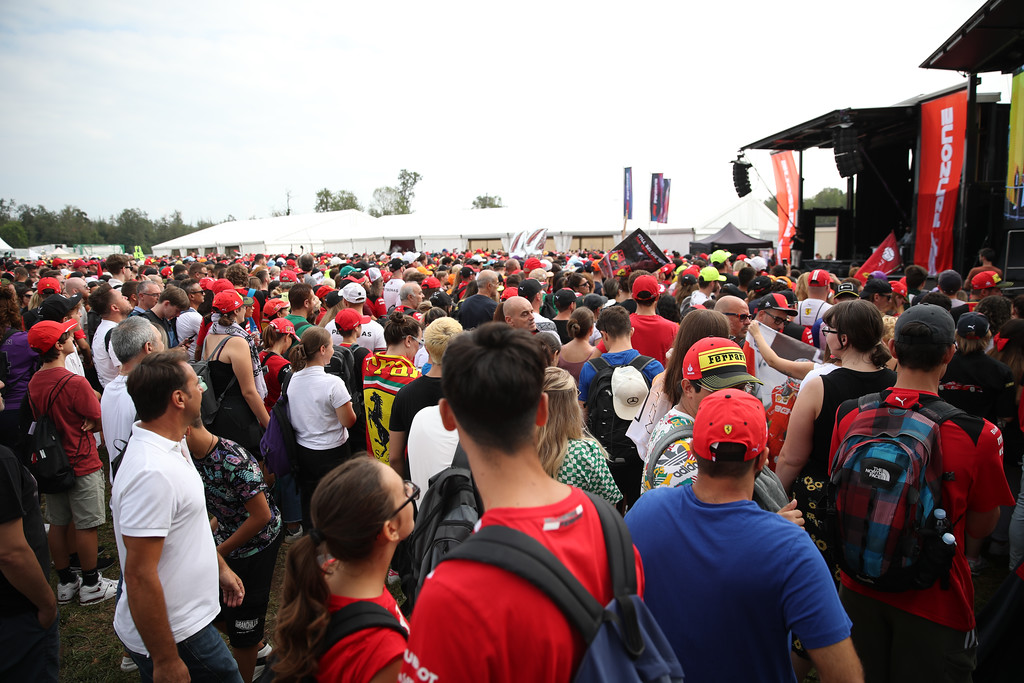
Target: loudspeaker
<point x="847" y="151"/>
<point x="741" y="178"/>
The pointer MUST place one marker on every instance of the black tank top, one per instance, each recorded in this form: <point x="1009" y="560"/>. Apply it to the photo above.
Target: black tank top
<point x="839" y="385"/>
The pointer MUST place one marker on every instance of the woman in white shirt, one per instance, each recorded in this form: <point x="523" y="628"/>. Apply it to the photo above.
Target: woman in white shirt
<point x="320" y="410"/>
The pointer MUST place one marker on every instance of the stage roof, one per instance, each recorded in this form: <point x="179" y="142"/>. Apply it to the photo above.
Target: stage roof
<point x="880" y="124"/>
<point x="991" y="40"/>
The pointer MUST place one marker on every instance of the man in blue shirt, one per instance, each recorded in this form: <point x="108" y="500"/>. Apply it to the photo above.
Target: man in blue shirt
<point x="728" y="581"/>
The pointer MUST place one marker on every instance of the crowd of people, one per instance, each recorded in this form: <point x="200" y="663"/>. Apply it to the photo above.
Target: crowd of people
<point x="713" y="400"/>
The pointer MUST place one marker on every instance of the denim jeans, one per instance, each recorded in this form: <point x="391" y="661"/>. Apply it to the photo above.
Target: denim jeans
<point x="31" y="653"/>
<point x="205" y="655"/>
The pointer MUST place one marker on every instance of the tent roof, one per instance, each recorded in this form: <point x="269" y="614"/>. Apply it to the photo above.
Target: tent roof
<point x="749" y="212"/>
<point x="732" y="238"/>
<point x="4" y="246"/>
<point x="991" y="40"/>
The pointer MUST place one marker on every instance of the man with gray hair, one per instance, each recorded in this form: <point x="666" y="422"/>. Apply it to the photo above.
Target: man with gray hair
<point x="479" y="308"/>
<point x="147" y="292"/>
<point x="410" y="296"/>
<point x="131" y="341"/>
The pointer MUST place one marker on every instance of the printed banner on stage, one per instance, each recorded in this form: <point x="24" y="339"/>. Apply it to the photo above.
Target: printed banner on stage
<point x="885" y="258"/>
<point x="787" y="195"/>
<point x="627" y="195"/>
<point x="666" y="185"/>
<point x="656" y="185"/>
<point x="943" y="125"/>
<point x="1013" y="212"/>
<point x="638" y="252"/>
<point x="528" y="242"/>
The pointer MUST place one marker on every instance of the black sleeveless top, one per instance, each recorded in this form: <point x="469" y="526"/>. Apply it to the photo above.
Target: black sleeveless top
<point x="839" y="385"/>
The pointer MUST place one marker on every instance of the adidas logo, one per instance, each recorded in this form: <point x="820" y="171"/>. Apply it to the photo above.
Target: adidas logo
<point x="879" y="473"/>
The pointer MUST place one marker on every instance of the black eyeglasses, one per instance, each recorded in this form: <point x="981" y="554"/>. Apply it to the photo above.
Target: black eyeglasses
<point x="412" y="492"/>
<point x="825" y="329"/>
<point x="777" y="319"/>
<point x="744" y="317"/>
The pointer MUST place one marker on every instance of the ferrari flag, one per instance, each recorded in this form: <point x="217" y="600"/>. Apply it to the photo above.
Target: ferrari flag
<point x="943" y="125"/>
<point x="885" y="258"/>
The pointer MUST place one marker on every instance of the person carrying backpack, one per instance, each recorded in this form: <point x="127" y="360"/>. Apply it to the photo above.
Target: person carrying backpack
<point x="926" y="631"/>
<point x="492" y="386"/>
<point x="360" y="511"/>
<point x="613" y="389"/>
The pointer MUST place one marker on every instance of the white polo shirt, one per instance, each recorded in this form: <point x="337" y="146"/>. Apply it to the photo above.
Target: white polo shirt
<point x="158" y="493"/>
<point x="313" y="398"/>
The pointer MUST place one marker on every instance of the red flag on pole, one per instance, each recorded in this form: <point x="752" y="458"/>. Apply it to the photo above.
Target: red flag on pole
<point x="885" y="258"/>
<point x="787" y="195"/>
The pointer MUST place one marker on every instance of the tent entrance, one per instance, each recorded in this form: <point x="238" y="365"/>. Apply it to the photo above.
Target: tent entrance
<point x="402" y="245"/>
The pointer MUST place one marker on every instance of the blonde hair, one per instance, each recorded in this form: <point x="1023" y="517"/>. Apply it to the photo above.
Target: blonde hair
<point x="801" y="286"/>
<point x="565" y="420"/>
<point x="437" y="336"/>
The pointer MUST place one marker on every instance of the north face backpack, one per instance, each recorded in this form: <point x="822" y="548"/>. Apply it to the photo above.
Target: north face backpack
<point x="885" y="483"/>
<point x="48" y="461"/>
<point x="607" y="427"/>
<point x="624" y="642"/>
<point x="450" y="510"/>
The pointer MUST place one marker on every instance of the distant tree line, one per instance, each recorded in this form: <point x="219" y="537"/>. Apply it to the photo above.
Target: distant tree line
<point x="23" y="226"/>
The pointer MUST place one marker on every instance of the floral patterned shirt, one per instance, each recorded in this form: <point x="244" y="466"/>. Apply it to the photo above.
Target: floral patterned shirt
<point x="676" y="466"/>
<point x="231" y="476"/>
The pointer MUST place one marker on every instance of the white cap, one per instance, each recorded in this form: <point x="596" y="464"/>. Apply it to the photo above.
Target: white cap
<point x="336" y="261"/>
<point x="373" y="274"/>
<point x="353" y="293"/>
<point x="629" y="391"/>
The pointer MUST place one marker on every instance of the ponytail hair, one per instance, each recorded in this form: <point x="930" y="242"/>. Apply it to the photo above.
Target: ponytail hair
<point x="312" y="339"/>
<point x="581" y="323"/>
<point x="348" y="509"/>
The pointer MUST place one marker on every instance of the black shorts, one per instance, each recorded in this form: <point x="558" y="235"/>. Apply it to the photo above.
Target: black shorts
<point x="245" y="624"/>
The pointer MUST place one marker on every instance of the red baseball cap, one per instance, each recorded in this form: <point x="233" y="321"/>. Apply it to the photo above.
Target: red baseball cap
<point x="221" y="285"/>
<point x="899" y="287"/>
<point x="348" y="318"/>
<point x="45" y="333"/>
<point x="531" y="263"/>
<point x="509" y="292"/>
<point x="431" y="283"/>
<point x="645" y="288"/>
<point x="819" y="278"/>
<point x="718" y="363"/>
<point x="730" y="426"/>
<point x="48" y="283"/>
<point x="273" y="307"/>
<point x="322" y="291"/>
<point x="227" y="301"/>
<point x="284" y="326"/>
<point x="166" y="271"/>
<point x="206" y="283"/>
<point x="986" y="279"/>
<point x="287" y="276"/>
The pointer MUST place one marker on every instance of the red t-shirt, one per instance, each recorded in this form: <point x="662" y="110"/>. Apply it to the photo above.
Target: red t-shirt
<point x="653" y="335"/>
<point x="375" y="309"/>
<point x="359" y="657"/>
<point x="518" y="634"/>
<point x="73" y="404"/>
<point x="973" y="450"/>
<point x="273" y="363"/>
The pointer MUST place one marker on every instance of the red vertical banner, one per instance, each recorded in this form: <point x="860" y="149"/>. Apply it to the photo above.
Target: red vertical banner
<point x="943" y="128"/>
<point x="787" y="196"/>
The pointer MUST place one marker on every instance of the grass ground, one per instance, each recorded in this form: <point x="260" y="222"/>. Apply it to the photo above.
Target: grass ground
<point x="91" y="652"/>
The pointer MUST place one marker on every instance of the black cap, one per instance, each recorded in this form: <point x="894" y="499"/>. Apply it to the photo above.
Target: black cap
<point x="594" y="301"/>
<point x="761" y="283"/>
<point x="440" y="299"/>
<point x="56" y="307"/>
<point x="875" y="286"/>
<point x="564" y="298"/>
<point x="846" y="289"/>
<point x="529" y="288"/>
<point x="936" y="318"/>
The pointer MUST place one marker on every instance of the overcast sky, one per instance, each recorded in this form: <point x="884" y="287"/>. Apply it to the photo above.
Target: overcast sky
<point x="218" y="108"/>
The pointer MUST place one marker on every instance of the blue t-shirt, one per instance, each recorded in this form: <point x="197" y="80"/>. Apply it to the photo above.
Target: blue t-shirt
<point x="727" y="583"/>
<point x="587" y="373"/>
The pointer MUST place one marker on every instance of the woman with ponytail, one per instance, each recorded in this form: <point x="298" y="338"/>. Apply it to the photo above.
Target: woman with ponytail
<point x="360" y="512"/>
<point x="320" y="410"/>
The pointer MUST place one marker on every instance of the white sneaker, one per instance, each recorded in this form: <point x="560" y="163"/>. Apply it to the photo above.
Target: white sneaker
<point x="103" y="590"/>
<point x="66" y="591"/>
<point x="261" y="662"/>
<point x="128" y="665"/>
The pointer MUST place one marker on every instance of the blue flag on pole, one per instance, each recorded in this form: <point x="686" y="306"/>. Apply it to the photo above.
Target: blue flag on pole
<point x="627" y="195"/>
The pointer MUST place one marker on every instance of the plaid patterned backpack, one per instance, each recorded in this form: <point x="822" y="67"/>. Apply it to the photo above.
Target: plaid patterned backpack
<point x="886" y="481"/>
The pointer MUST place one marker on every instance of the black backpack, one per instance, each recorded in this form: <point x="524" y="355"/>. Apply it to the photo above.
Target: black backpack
<point x="343" y="365"/>
<point x="451" y="508"/>
<point x="607" y="427"/>
<point x="350" y="619"/>
<point x="48" y="462"/>
<point x="624" y="642"/>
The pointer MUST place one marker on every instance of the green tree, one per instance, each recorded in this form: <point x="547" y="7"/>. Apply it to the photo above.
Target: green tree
<point x="406" y="182"/>
<point x="486" y="201"/>
<point x="13" y="232"/>
<point x="386" y="202"/>
<point x="829" y="198"/>
<point x="336" y="201"/>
